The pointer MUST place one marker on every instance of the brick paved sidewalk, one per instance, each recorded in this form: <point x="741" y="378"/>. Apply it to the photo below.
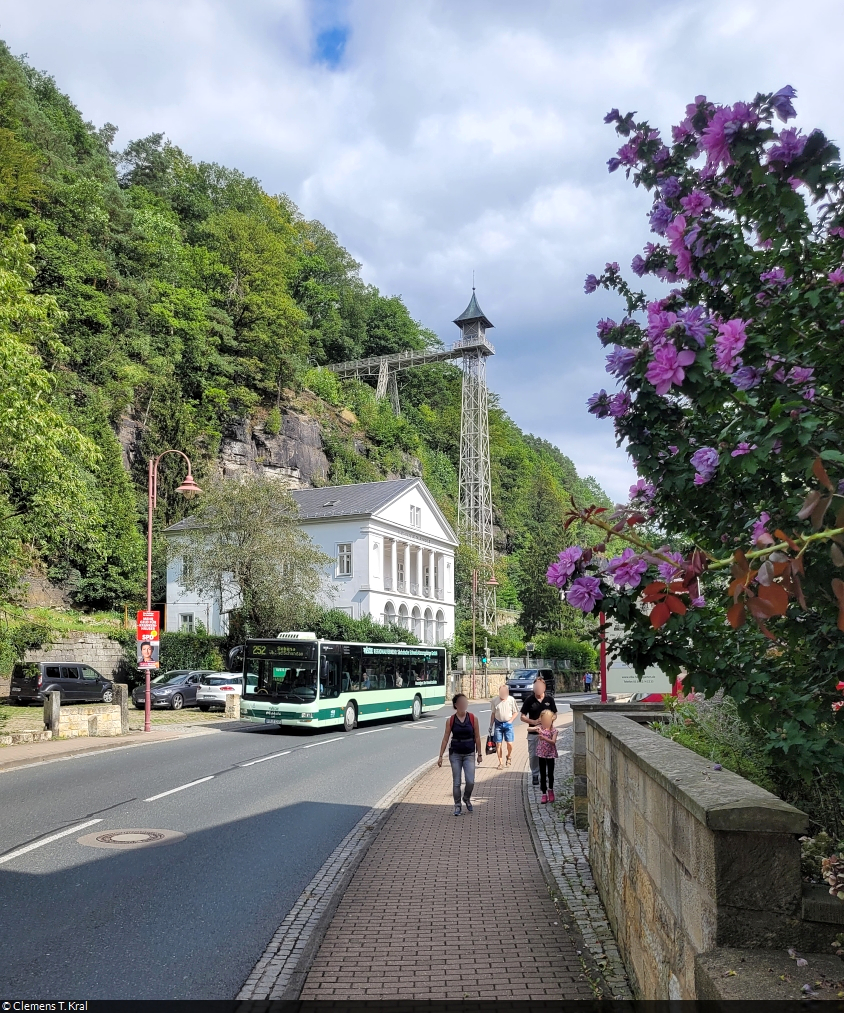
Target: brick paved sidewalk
<point x="419" y="920"/>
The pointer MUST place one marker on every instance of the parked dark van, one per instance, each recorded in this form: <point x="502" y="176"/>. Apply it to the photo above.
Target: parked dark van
<point x="521" y="682"/>
<point x="74" y="681"/>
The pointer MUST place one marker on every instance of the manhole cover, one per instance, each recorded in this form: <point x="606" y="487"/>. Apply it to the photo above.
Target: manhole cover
<point x="123" y="839"/>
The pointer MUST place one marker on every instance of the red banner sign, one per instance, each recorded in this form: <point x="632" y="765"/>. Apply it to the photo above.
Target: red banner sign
<point x="148" y="626"/>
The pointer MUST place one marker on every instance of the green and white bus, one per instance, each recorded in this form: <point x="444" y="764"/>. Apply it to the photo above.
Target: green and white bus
<point x="297" y="680"/>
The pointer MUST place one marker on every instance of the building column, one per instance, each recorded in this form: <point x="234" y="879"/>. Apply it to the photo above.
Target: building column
<point x="393" y="573"/>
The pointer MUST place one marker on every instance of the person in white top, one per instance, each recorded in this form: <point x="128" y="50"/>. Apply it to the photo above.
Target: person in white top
<point x="503" y="712"/>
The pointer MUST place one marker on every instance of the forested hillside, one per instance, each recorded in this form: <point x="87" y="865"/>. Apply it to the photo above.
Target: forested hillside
<point x="137" y="282"/>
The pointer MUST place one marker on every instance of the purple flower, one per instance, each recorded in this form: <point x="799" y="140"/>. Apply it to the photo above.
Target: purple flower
<point x="746" y="377"/>
<point x="659" y="322"/>
<point x="666" y="570"/>
<point x="682" y="131"/>
<point x="720" y="131"/>
<point x="743" y="448"/>
<point x="674" y="450"/>
<point x="759" y="527"/>
<point x="696" y="323"/>
<point x="684" y="264"/>
<point x="590" y="284"/>
<point x="642" y="490"/>
<point x="728" y="344"/>
<point x="836" y="276"/>
<point x="612" y="116"/>
<point x="584" y="592"/>
<point x="619" y="404"/>
<point x="698" y="603"/>
<point x="705" y="462"/>
<point x="605" y="326"/>
<point x="800" y="374"/>
<point x="696" y="203"/>
<point x="837" y="230"/>
<point x="790" y="146"/>
<point x="613" y="164"/>
<point x="628" y="568"/>
<point x="782" y="105"/>
<point x="660" y="217"/>
<point x="670" y="187"/>
<point x="620" y="360"/>
<point x="668" y="367"/>
<point x="841" y="487"/>
<point x="776" y="276"/>
<point x="559" y="572"/>
<point x="662" y="154"/>
<point x="611" y="268"/>
<point x="777" y="447"/>
<point x="674" y="233"/>
<point x="628" y="154"/>
<point x="638" y="265"/>
<point x="598" y="404"/>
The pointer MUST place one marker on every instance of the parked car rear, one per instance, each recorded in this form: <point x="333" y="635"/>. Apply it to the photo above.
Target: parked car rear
<point x="76" y="683"/>
<point x="214" y="687"/>
<point x="521" y="681"/>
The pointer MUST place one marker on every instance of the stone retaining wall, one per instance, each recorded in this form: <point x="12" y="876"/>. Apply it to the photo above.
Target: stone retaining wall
<point x="685" y="858"/>
<point x="94" y="649"/>
<point x="102" y="719"/>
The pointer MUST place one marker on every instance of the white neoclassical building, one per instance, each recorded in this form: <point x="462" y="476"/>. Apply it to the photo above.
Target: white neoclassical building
<point x="392" y="554"/>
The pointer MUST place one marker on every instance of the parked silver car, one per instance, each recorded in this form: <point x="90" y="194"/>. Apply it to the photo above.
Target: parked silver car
<point x="174" y="689"/>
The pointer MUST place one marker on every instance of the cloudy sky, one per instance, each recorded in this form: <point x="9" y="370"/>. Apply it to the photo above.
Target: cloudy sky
<point x="442" y="137"/>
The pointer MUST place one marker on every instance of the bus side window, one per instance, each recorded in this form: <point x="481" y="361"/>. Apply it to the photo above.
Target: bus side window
<point x="331" y="678"/>
<point x="350" y="674"/>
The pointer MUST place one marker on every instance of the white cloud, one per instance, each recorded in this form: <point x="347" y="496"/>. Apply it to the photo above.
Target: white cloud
<point x="451" y="137"/>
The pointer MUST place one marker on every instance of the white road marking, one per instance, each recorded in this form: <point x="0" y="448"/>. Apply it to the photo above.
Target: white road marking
<point x="172" y="791"/>
<point x="47" y="840"/>
<point x="372" y="731"/>
<point x="273" y="756"/>
<point x="324" y="742"/>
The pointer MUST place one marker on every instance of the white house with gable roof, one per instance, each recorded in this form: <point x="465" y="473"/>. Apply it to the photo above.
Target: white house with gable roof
<point x="392" y="554"/>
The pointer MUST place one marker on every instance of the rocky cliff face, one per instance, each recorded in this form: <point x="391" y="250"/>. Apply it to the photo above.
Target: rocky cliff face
<point x="295" y="456"/>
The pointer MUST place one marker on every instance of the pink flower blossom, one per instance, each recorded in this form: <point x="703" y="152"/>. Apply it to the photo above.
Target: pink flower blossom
<point x="728" y="344"/>
<point x="584" y="593"/>
<point x="558" y="573"/>
<point x="705" y="462"/>
<point x="668" y="367"/>
<point x="760" y="527"/>
<point x="627" y="569"/>
<point x="696" y="203"/>
<point x="722" y="128"/>
<point x="836" y="276"/>
<point x="675" y="234"/>
<point x="743" y="448"/>
<point x="642" y="489"/>
<point x="667" y="570"/>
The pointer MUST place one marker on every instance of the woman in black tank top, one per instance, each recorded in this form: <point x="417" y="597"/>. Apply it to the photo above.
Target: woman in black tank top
<point x="462" y="729"/>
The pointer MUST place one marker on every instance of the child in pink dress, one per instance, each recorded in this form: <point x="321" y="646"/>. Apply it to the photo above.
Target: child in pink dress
<point x="546" y="753"/>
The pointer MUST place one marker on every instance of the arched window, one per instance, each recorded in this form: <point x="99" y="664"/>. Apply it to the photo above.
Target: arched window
<point x="389" y="614"/>
<point x="416" y="620"/>
<point x="429" y="627"/>
<point x="403" y="616"/>
<point x="440" y="626"/>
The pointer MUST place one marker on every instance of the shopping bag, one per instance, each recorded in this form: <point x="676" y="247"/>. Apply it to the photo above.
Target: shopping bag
<point x="490" y="745"/>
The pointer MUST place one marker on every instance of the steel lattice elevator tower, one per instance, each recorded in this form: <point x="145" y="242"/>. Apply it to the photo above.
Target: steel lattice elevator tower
<point x="474" y="509"/>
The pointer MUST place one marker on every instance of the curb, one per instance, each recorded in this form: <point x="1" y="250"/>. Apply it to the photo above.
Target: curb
<point x="281" y="971"/>
<point x="90" y="750"/>
<point x="590" y="968"/>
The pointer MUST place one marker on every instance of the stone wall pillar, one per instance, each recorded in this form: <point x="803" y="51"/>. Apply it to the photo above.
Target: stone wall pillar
<point x="233" y="706"/>
<point x="53" y="711"/>
<point x="121" y="698"/>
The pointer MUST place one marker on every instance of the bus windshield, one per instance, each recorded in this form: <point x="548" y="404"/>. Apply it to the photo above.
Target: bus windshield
<point x="282" y="679"/>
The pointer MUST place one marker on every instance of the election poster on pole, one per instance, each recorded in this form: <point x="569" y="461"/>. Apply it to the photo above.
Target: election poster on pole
<point x="148" y="637"/>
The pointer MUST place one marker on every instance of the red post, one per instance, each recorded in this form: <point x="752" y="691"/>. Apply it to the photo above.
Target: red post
<point x="187" y="488"/>
<point x="153" y="467"/>
<point x="602" y="620"/>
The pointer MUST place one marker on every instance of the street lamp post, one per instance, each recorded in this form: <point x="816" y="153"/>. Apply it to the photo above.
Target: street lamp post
<point x="187" y="488"/>
<point x="492" y="582"/>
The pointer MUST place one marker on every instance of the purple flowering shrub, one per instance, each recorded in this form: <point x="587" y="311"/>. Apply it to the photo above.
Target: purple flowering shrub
<point x="733" y="414"/>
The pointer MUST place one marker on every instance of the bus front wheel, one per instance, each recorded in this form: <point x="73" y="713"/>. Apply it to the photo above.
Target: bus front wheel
<point x="350" y="717"/>
<point x="416" y="709"/>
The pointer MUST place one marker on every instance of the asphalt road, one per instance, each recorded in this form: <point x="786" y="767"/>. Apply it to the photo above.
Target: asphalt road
<point x="190" y="919"/>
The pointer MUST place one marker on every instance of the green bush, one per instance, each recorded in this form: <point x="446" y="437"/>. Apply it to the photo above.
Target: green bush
<point x="324" y="384"/>
<point x="582" y="655"/>
<point x="713" y="729"/>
